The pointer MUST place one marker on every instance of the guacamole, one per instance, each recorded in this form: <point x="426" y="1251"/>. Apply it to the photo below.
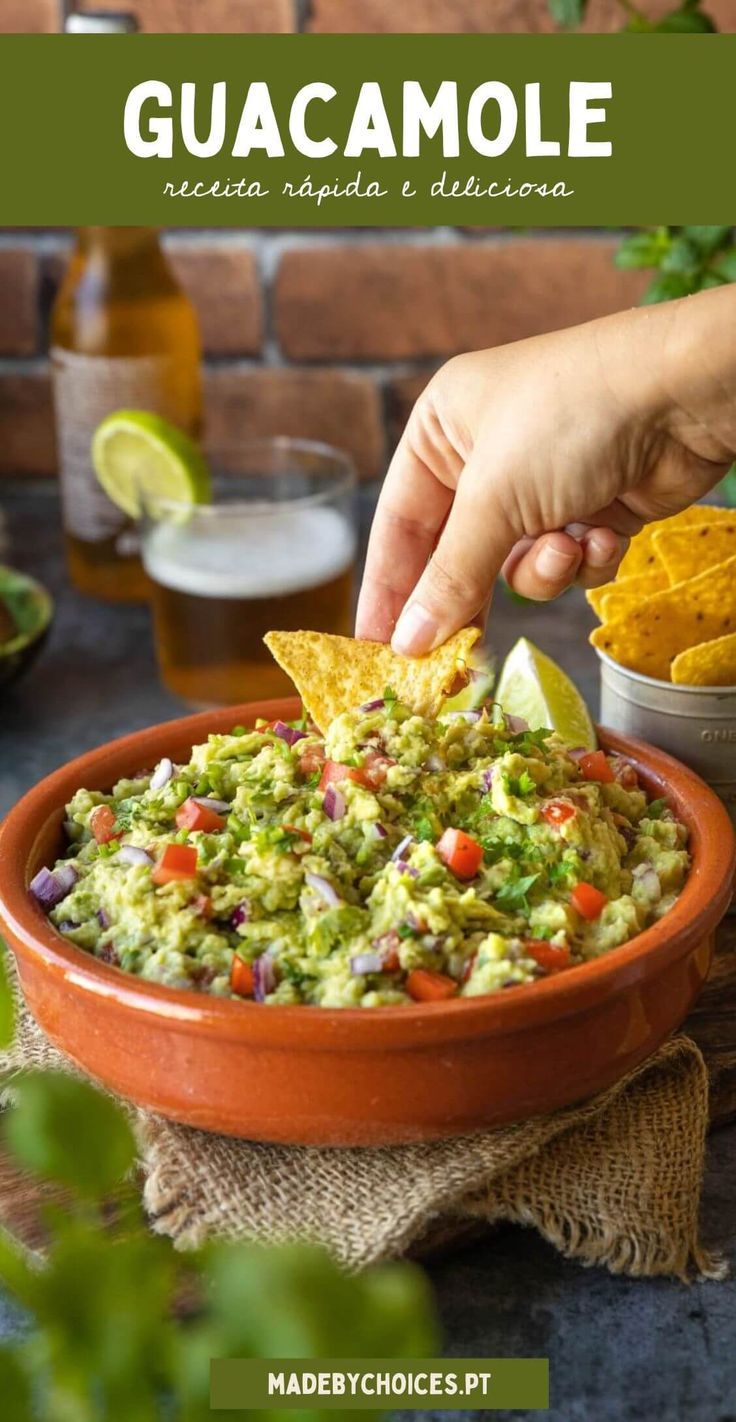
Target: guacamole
<point x="396" y="859"/>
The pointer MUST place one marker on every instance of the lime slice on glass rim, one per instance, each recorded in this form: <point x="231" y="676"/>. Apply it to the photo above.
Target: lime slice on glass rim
<point x="532" y="686"/>
<point x="141" y="459"/>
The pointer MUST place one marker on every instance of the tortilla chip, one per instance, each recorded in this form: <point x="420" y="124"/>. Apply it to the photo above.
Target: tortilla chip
<point x="609" y="600"/>
<point x="335" y="674"/>
<point x="685" y="552"/>
<point x="707" y="664"/>
<point x="650" y="637"/>
<point x="642" y="556"/>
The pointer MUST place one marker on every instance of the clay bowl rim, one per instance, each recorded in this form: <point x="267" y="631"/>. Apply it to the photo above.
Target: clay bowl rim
<point x="695" y="914"/>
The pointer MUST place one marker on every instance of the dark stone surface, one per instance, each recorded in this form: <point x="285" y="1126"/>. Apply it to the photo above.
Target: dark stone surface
<point x="620" y="1350"/>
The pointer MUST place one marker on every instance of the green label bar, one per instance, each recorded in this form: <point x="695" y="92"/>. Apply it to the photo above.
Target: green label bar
<point x="367" y="130"/>
<point x="374" y="1384"/>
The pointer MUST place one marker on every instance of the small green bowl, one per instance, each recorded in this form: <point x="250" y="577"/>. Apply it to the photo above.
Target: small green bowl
<point x="31" y="609"/>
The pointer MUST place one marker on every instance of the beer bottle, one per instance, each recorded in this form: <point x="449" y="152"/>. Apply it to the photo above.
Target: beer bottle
<point x="123" y="336"/>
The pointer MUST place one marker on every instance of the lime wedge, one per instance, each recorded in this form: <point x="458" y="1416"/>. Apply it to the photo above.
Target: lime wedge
<point x="533" y="686"/>
<point x="139" y="456"/>
<point x="479" y="687"/>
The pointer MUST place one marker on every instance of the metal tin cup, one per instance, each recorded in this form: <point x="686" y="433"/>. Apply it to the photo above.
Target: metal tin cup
<point x="697" y="724"/>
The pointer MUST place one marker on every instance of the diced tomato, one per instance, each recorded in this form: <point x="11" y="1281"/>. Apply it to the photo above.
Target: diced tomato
<point x="312" y="760"/>
<point x="461" y="853"/>
<point x="391" y="961"/>
<point x="424" y="985"/>
<point x="588" y="901"/>
<point x="334" y="771"/>
<point x="596" y="766"/>
<point x="551" y="957"/>
<point x="178" y="861"/>
<point x="557" y="812"/>
<point x="302" y="833"/>
<point x="203" y="905"/>
<point x="374" y="769"/>
<point x="193" y="816"/>
<point x="241" y="977"/>
<point x="102" y="824"/>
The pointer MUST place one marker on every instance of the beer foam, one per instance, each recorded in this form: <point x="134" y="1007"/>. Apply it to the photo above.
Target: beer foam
<point x="236" y="553"/>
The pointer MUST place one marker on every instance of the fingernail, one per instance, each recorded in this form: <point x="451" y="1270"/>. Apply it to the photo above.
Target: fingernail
<point x="415" y="631"/>
<point x="553" y="563"/>
<point x="600" y="551"/>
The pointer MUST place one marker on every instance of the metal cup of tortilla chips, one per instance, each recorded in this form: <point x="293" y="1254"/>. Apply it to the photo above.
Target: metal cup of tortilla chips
<point x="697" y="724"/>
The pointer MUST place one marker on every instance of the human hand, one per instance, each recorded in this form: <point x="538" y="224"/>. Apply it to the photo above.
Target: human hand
<point x="542" y="458"/>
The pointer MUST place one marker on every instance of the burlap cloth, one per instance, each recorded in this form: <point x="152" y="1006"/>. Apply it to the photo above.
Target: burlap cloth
<point x="615" y="1181"/>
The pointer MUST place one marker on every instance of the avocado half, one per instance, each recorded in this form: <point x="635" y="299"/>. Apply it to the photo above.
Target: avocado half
<point x="26" y="610"/>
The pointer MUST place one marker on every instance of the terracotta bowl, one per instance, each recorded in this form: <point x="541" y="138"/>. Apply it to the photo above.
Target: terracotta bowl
<point x="354" y="1076"/>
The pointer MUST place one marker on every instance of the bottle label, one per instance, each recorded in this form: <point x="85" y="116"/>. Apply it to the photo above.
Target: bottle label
<point x="86" y="389"/>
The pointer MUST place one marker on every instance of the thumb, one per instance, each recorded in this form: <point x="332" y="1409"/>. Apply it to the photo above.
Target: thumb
<point x="459" y="577"/>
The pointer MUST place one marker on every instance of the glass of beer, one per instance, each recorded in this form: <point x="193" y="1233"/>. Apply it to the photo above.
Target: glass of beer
<point x="275" y="549"/>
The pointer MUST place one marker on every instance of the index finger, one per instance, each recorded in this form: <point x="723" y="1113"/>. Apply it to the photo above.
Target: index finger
<point x="412" y="508"/>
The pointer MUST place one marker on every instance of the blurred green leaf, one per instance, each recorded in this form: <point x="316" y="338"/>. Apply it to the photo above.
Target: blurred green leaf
<point x="643" y="249"/>
<point x="7" y="1009"/>
<point x="15" y="1388"/>
<point x="65" y="1130"/>
<point x="681" y="257"/>
<point x="668" y="286"/>
<point x="707" y="239"/>
<point x="568" y="13"/>
<point x="725" y="264"/>
<point x="687" y="21"/>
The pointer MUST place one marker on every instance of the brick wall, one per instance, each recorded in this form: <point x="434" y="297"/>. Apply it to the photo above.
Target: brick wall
<point x="327" y="335"/>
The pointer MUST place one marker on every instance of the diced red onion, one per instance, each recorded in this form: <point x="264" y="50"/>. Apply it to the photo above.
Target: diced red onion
<point x="162" y="774"/>
<point x="220" y="807"/>
<point x="264" y="977"/>
<point x="49" y="887"/>
<point x="334" y="804"/>
<point x="287" y="733"/>
<point x="577" y="752"/>
<point x="488" y="777"/>
<point x="435" y="762"/>
<point x="516" y="724"/>
<point x="366" y="963"/>
<point x="373" y="705"/>
<point x="387" y="943"/>
<point x="401" y="848"/>
<point x="103" y="918"/>
<point x="462" y="715"/>
<point x="324" y="888"/>
<point x="67" y="926"/>
<point x="240" y="914"/>
<point x="405" y="868"/>
<point x="132" y="854"/>
<point x="379" y="830"/>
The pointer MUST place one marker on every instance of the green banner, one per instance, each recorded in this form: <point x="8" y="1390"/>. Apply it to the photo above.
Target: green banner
<point x="369" y="1384"/>
<point x="366" y="130"/>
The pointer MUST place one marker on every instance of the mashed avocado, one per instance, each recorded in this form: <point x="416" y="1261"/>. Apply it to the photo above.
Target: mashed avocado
<point x="396" y="858"/>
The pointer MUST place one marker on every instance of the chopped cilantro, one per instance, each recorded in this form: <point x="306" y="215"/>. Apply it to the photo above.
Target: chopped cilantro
<point x="521" y="785"/>
<point x="656" y="809"/>
<point x="405" y="930"/>
<point x="423" y="829"/>
<point x="238" y="731"/>
<point x="513" y="894"/>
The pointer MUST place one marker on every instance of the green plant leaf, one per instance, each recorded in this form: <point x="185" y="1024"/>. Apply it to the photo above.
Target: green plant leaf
<point x="65" y="1130"/>
<point x="15" y="1388"/>
<point x="643" y="249"/>
<point x="687" y="21"/>
<point x="707" y="239"/>
<point x="7" y="1007"/>
<point x="568" y="13"/>
<point x="725" y="265"/>
<point x="681" y="257"/>
<point x="667" y="286"/>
